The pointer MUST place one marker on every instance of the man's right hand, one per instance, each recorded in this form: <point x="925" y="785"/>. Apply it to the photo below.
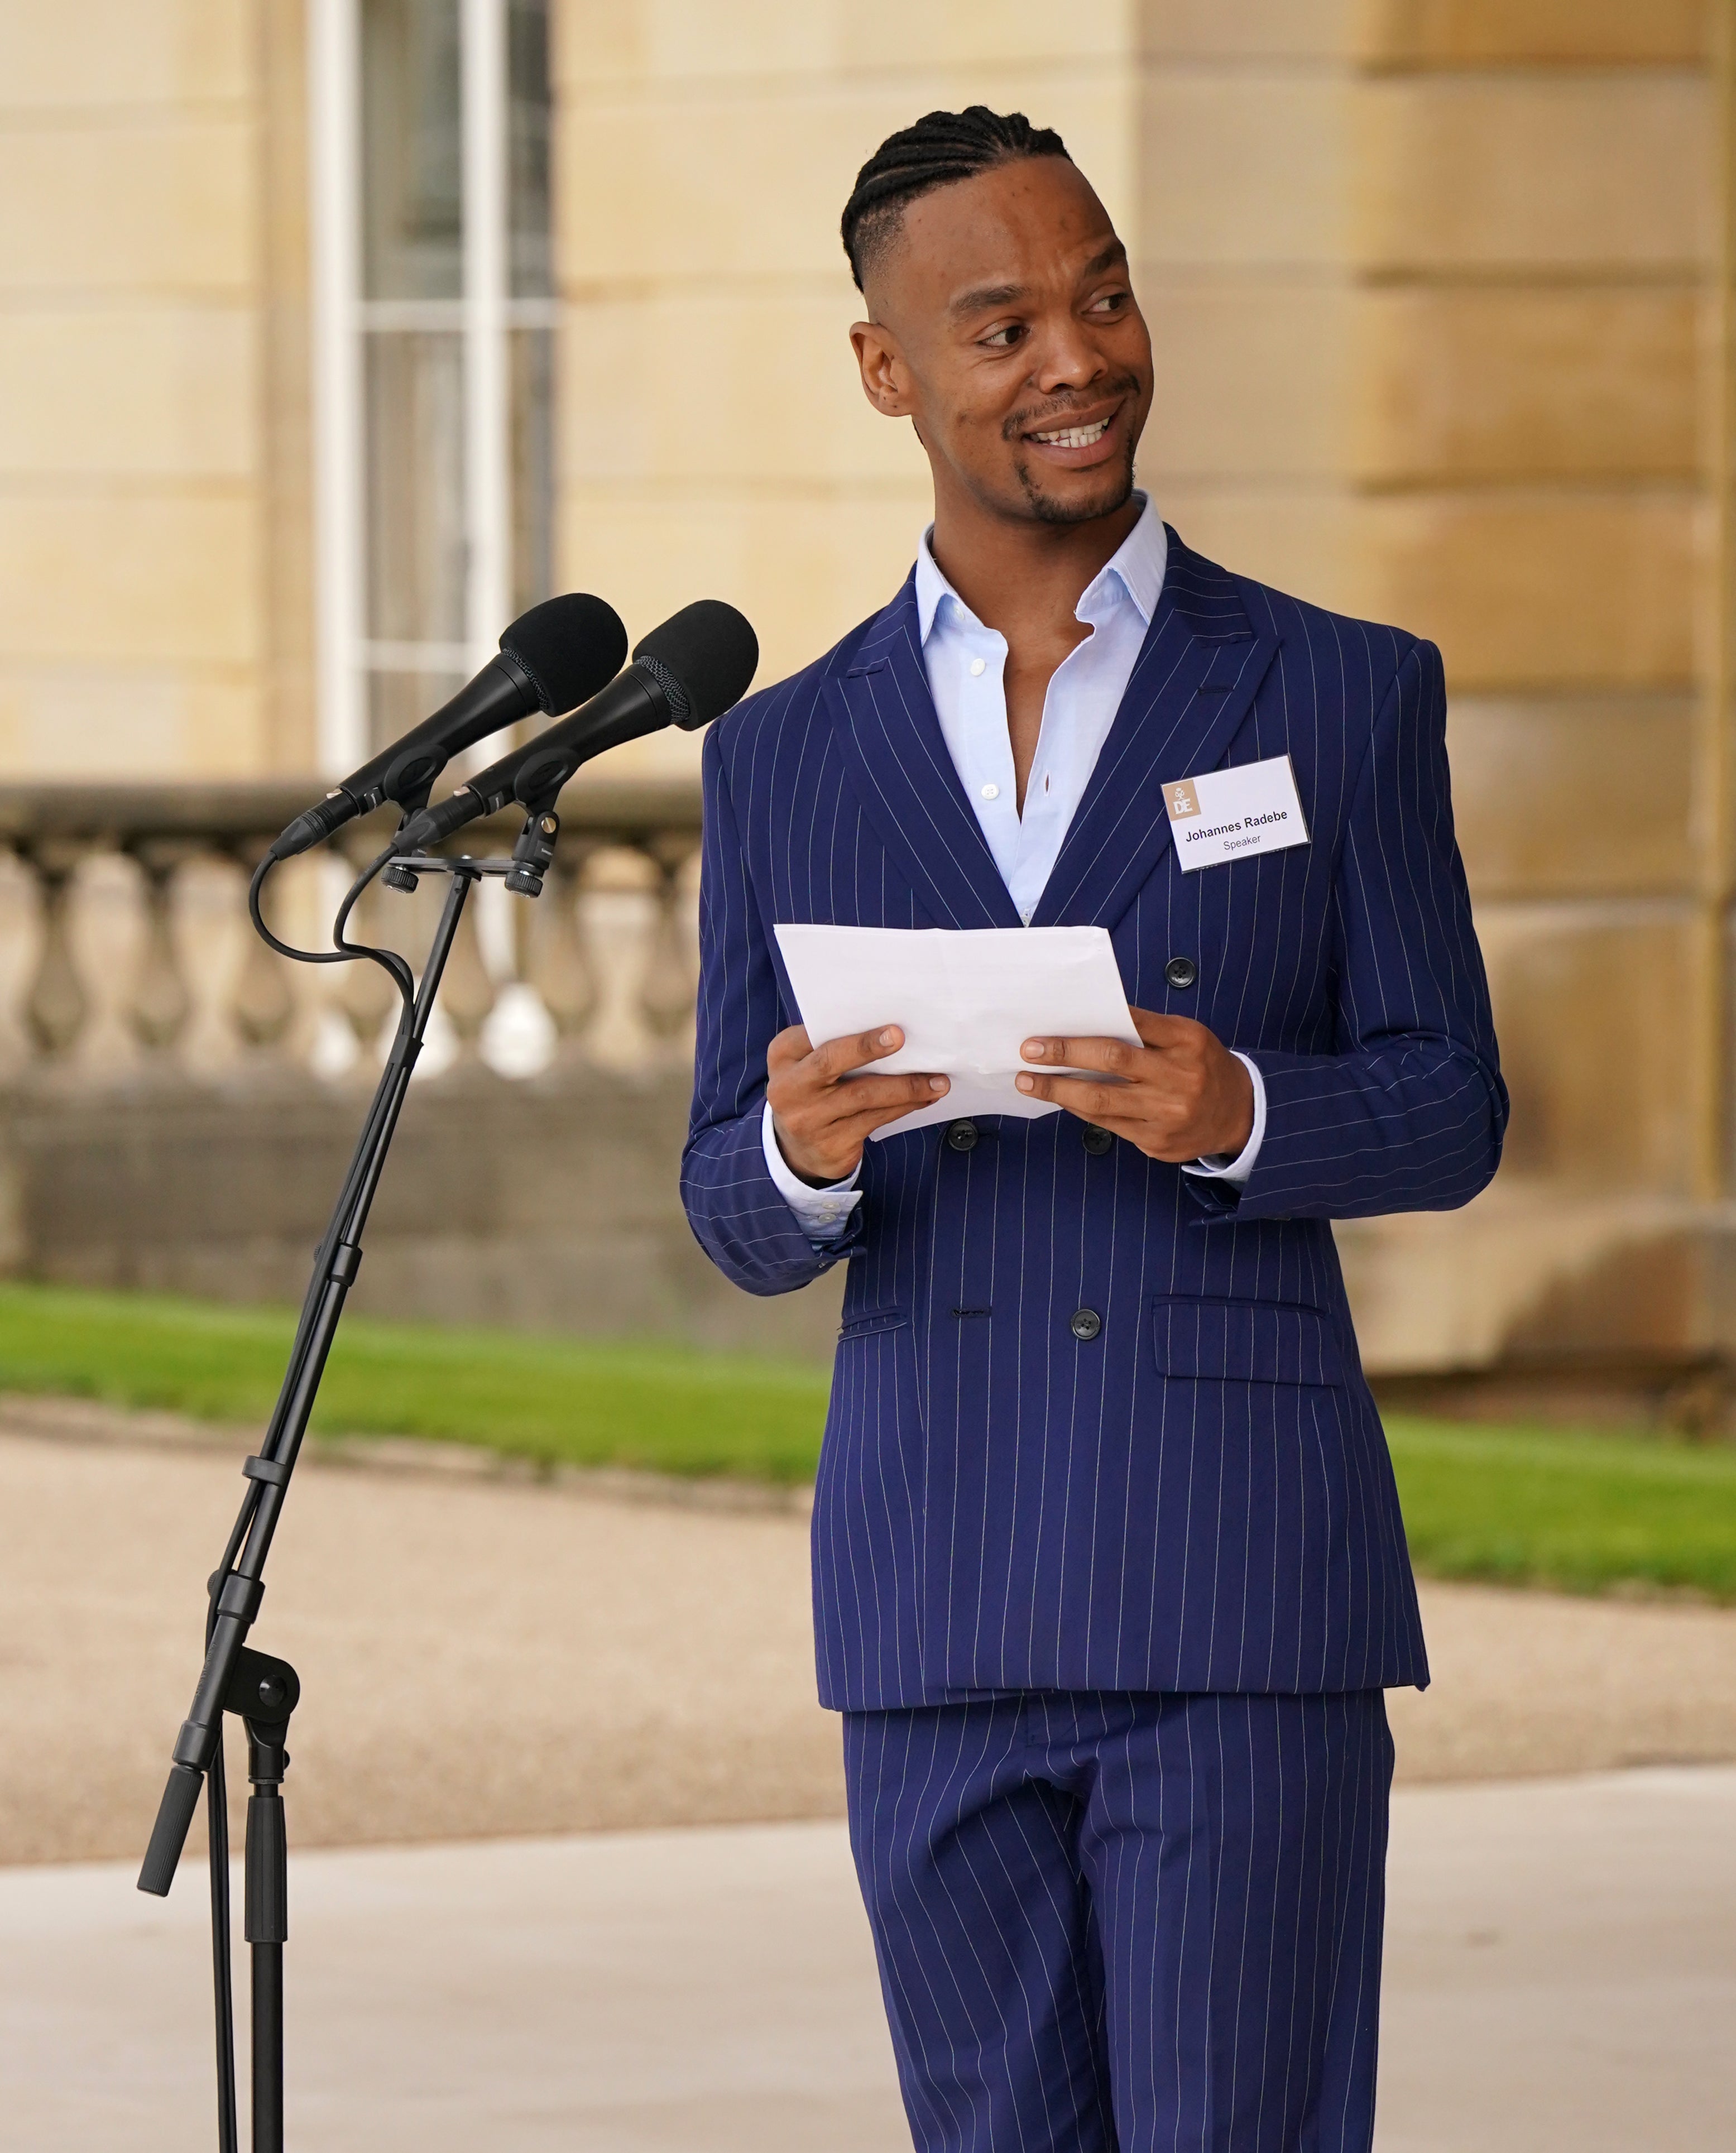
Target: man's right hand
<point x="821" y="1122"/>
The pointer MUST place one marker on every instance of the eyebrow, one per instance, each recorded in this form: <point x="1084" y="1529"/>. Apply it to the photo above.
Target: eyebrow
<point x="1113" y="252"/>
<point x="987" y="297"/>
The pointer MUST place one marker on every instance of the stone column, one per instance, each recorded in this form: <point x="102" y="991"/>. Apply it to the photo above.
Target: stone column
<point x="1438" y="289"/>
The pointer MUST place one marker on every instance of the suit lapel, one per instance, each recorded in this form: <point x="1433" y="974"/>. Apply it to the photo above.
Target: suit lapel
<point x="1192" y="686"/>
<point x="904" y="776"/>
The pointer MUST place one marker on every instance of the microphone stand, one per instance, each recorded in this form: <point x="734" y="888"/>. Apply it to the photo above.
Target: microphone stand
<point x="261" y="1691"/>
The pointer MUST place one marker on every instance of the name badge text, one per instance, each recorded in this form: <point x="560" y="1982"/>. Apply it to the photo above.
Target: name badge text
<point x="1224" y="814"/>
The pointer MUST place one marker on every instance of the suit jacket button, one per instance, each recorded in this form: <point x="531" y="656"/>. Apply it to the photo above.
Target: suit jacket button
<point x="961" y="1136"/>
<point x="1095" y="1140"/>
<point x="1181" y="971"/>
<point x="1085" y="1323"/>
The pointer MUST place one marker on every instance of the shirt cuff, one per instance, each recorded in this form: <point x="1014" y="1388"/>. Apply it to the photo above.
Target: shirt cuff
<point x="1219" y="1167"/>
<point x="823" y="1213"/>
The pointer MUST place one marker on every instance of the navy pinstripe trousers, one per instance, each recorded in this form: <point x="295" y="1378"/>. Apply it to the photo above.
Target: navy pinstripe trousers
<point x="1108" y="1923"/>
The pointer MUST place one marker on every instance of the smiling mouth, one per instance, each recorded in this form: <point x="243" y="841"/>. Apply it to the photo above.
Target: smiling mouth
<point x="1074" y="437"/>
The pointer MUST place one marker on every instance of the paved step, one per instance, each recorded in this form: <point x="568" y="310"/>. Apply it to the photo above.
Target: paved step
<point x="1561" y="1979"/>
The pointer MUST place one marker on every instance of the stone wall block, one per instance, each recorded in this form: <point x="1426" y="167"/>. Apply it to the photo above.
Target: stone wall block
<point x="1574" y="797"/>
<point x="1457" y="384"/>
<point x="108" y="391"/>
<point x="102" y="53"/>
<point x="1250" y="378"/>
<point x="1594" y="1010"/>
<point x="136" y="579"/>
<point x="1590" y="173"/>
<point x="695" y="41"/>
<point x="782" y="403"/>
<point x="1533" y="593"/>
<point x="1475" y="33"/>
<point x="169" y="206"/>
<point x="1244" y="168"/>
<point x="66" y="717"/>
<point x="1534" y="1272"/>
<point x="1537" y="591"/>
<point x="651" y="190"/>
<point x="223" y="1193"/>
<point x="1266" y="30"/>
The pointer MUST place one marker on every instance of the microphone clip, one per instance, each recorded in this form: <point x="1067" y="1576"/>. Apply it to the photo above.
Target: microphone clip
<point x="397" y="876"/>
<point x="533" y="855"/>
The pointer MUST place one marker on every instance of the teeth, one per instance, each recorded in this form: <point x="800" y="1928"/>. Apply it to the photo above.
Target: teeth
<point x="1077" y="437"/>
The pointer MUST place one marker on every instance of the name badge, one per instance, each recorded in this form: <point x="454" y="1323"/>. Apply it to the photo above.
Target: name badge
<point x="1221" y="814"/>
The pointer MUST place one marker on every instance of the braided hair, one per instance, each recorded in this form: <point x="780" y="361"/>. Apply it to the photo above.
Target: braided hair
<point x="942" y="148"/>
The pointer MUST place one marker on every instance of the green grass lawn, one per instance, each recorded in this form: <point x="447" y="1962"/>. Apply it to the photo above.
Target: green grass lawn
<point x="1520" y="1505"/>
<point x="664" y="1407"/>
<point x="1544" y="1506"/>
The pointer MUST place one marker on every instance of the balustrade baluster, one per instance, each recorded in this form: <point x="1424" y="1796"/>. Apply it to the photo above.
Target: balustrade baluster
<point x="608" y="950"/>
<point x="159" y="1006"/>
<point x="262" y="1006"/>
<point x="556" y="963"/>
<point x="619" y="918"/>
<point x="57" y="1005"/>
<point x="468" y="991"/>
<point x="672" y="969"/>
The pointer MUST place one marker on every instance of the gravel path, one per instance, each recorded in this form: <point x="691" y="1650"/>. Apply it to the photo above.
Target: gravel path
<point x="484" y="1656"/>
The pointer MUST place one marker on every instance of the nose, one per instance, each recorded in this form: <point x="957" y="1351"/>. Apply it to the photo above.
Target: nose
<point x="1065" y="357"/>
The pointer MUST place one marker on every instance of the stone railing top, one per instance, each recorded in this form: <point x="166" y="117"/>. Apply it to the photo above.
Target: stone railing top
<point x="627" y="809"/>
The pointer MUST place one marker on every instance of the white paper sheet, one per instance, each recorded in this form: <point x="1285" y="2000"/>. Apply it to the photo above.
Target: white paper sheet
<point x="967" y="1001"/>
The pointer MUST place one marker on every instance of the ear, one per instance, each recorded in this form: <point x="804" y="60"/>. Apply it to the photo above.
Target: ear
<point x="885" y="378"/>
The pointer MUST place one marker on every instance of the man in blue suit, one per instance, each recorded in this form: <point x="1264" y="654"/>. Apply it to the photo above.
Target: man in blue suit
<point x="1109" y="1573"/>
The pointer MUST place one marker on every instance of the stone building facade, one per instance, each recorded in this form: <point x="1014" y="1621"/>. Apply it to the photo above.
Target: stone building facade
<point x="1441" y="293"/>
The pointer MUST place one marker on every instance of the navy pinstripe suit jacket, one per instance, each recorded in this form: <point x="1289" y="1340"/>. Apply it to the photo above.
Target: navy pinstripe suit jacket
<point x="1198" y="1498"/>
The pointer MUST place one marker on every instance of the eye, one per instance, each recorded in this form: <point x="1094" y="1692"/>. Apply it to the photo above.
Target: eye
<point x="1004" y="339"/>
<point x="1111" y="302"/>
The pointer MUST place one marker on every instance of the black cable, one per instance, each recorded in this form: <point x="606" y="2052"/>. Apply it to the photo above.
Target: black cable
<point x="343" y="952"/>
<point x="403" y="978"/>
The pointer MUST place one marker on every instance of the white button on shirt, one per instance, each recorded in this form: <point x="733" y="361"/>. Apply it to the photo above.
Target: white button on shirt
<point x="965" y="662"/>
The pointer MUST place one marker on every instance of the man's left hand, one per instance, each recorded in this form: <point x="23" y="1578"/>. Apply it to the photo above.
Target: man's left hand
<point x="1181" y="1096"/>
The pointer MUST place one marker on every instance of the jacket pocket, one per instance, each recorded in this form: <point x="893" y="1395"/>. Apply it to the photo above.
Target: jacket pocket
<point x="867" y="1321"/>
<point x="1248" y="1341"/>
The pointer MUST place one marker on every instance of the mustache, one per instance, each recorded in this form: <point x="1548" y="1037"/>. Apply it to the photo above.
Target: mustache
<point x="1057" y="411"/>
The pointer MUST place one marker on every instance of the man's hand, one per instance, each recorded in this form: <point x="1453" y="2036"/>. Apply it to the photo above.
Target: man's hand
<point x="1183" y="1095"/>
<point x="821" y="1122"/>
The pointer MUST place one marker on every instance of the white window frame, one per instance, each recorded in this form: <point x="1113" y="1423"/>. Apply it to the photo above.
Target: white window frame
<point x="485" y="315"/>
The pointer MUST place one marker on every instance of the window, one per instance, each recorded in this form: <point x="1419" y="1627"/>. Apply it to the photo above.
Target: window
<point x="435" y="330"/>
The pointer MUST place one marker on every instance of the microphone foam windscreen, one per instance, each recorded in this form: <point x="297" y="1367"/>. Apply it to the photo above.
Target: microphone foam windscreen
<point x="570" y="646"/>
<point x="712" y="651"/>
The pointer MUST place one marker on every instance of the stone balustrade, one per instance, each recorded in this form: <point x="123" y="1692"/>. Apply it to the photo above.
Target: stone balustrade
<point x="125" y="949"/>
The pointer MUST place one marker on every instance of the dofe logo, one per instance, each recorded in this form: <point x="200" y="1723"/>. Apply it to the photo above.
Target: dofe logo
<point x="1183" y="799"/>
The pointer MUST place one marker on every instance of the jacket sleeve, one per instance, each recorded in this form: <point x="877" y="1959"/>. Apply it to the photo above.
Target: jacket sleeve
<point x="1409" y="1112"/>
<point x="737" y="1216"/>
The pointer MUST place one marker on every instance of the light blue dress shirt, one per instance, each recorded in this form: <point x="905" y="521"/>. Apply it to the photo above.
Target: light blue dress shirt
<point x="965" y="663"/>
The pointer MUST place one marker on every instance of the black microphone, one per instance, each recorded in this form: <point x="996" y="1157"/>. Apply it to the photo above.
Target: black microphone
<point x="552" y="658"/>
<point x="685" y="673"/>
